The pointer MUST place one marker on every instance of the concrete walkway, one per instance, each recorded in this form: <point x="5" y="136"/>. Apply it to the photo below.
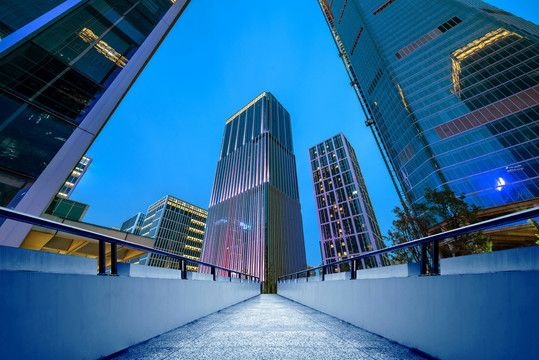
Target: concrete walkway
<point x="268" y="327"/>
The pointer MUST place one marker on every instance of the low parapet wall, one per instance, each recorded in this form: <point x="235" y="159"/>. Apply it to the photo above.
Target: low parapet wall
<point x="489" y="315"/>
<point x="78" y="316"/>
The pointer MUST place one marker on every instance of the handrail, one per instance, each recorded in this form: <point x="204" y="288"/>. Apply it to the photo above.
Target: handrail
<point x="484" y="225"/>
<point x="50" y="224"/>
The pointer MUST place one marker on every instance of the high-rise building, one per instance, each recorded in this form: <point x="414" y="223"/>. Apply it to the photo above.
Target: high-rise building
<point x="347" y="222"/>
<point x="450" y="91"/>
<point x="134" y="224"/>
<point x="254" y="219"/>
<point x="64" y="67"/>
<point x="74" y="177"/>
<point x="177" y="227"/>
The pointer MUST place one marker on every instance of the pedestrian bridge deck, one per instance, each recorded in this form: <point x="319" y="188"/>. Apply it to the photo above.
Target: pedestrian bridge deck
<point x="268" y="327"/>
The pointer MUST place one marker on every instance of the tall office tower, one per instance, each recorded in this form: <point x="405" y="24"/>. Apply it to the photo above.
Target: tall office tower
<point x="254" y="221"/>
<point x="64" y="67"/>
<point x="74" y="177"/>
<point x="134" y="224"/>
<point x="177" y="227"/>
<point x="348" y="226"/>
<point x="450" y="91"/>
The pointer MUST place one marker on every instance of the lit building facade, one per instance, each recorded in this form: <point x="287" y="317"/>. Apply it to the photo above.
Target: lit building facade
<point x="74" y="177"/>
<point x="348" y="225"/>
<point x="177" y="227"/>
<point x="254" y="222"/>
<point x="450" y="91"/>
<point x="134" y="224"/>
<point x="64" y="67"/>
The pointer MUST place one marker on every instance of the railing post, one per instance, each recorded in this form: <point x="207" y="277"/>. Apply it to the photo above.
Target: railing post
<point x="101" y="259"/>
<point x="353" y="267"/>
<point x="424" y="259"/>
<point x="229" y="275"/>
<point x="436" y="257"/>
<point x="183" y="268"/>
<point x="307" y="276"/>
<point x="323" y="273"/>
<point x="213" y="272"/>
<point x="114" y="259"/>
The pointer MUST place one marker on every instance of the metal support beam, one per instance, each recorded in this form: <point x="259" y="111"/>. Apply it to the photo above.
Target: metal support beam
<point x="114" y="259"/>
<point x="353" y="268"/>
<point x="436" y="257"/>
<point x="423" y="259"/>
<point x="183" y="268"/>
<point x="101" y="259"/>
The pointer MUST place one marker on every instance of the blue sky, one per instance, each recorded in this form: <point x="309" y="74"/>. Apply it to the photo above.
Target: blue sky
<point x="165" y="137"/>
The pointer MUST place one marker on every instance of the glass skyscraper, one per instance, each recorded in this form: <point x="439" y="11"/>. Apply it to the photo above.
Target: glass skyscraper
<point x="450" y="91"/>
<point x="254" y="220"/>
<point x="347" y="222"/>
<point x="74" y="178"/>
<point x="134" y="224"/>
<point x="177" y="227"/>
<point x="64" y="67"/>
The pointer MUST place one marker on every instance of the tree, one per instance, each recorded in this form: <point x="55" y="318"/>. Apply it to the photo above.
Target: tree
<point x="453" y="212"/>
<point x="407" y="227"/>
<point x="270" y="285"/>
<point x="441" y="211"/>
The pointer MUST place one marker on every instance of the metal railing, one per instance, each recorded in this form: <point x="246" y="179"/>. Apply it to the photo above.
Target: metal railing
<point x="114" y="242"/>
<point x="434" y="239"/>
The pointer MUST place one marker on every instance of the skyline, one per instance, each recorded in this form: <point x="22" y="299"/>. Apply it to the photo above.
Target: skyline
<point x="306" y="75"/>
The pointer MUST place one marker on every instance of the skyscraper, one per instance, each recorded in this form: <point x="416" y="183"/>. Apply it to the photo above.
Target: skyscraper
<point x="254" y="220"/>
<point x="450" y="92"/>
<point x="64" y="67"/>
<point x="74" y="178"/>
<point x="177" y="227"/>
<point x="134" y="224"/>
<point x="346" y="218"/>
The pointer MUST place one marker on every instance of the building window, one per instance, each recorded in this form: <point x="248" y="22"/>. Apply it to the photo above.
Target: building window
<point x="384" y="5"/>
<point x="428" y="37"/>
<point x="357" y="39"/>
<point x="342" y="11"/>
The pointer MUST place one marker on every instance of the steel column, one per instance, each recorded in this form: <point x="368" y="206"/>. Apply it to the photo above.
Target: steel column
<point x="114" y="259"/>
<point x="436" y="257"/>
<point x="423" y="259"/>
<point x="353" y="268"/>
<point x="183" y="268"/>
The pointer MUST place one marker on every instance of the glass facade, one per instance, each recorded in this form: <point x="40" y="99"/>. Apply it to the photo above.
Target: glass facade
<point x="254" y="221"/>
<point x="74" y="177"/>
<point x="177" y="227"/>
<point x="67" y="209"/>
<point x="134" y="224"/>
<point x="15" y="14"/>
<point x="57" y="59"/>
<point x="348" y="226"/>
<point x="450" y="91"/>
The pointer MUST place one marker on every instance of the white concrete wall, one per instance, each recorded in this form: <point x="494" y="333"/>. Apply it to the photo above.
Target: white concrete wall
<point x="466" y="316"/>
<point x="526" y="258"/>
<point x="75" y="316"/>
<point x="16" y="259"/>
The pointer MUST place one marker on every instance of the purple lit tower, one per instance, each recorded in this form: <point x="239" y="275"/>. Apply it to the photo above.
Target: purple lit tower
<point x="348" y="226"/>
<point x="254" y="219"/>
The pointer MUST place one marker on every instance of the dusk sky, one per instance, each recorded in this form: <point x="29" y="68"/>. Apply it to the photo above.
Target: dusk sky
<point x="165" y="137"/>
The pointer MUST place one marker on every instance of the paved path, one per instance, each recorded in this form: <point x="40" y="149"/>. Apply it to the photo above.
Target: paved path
<point x="268" y="327"/>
